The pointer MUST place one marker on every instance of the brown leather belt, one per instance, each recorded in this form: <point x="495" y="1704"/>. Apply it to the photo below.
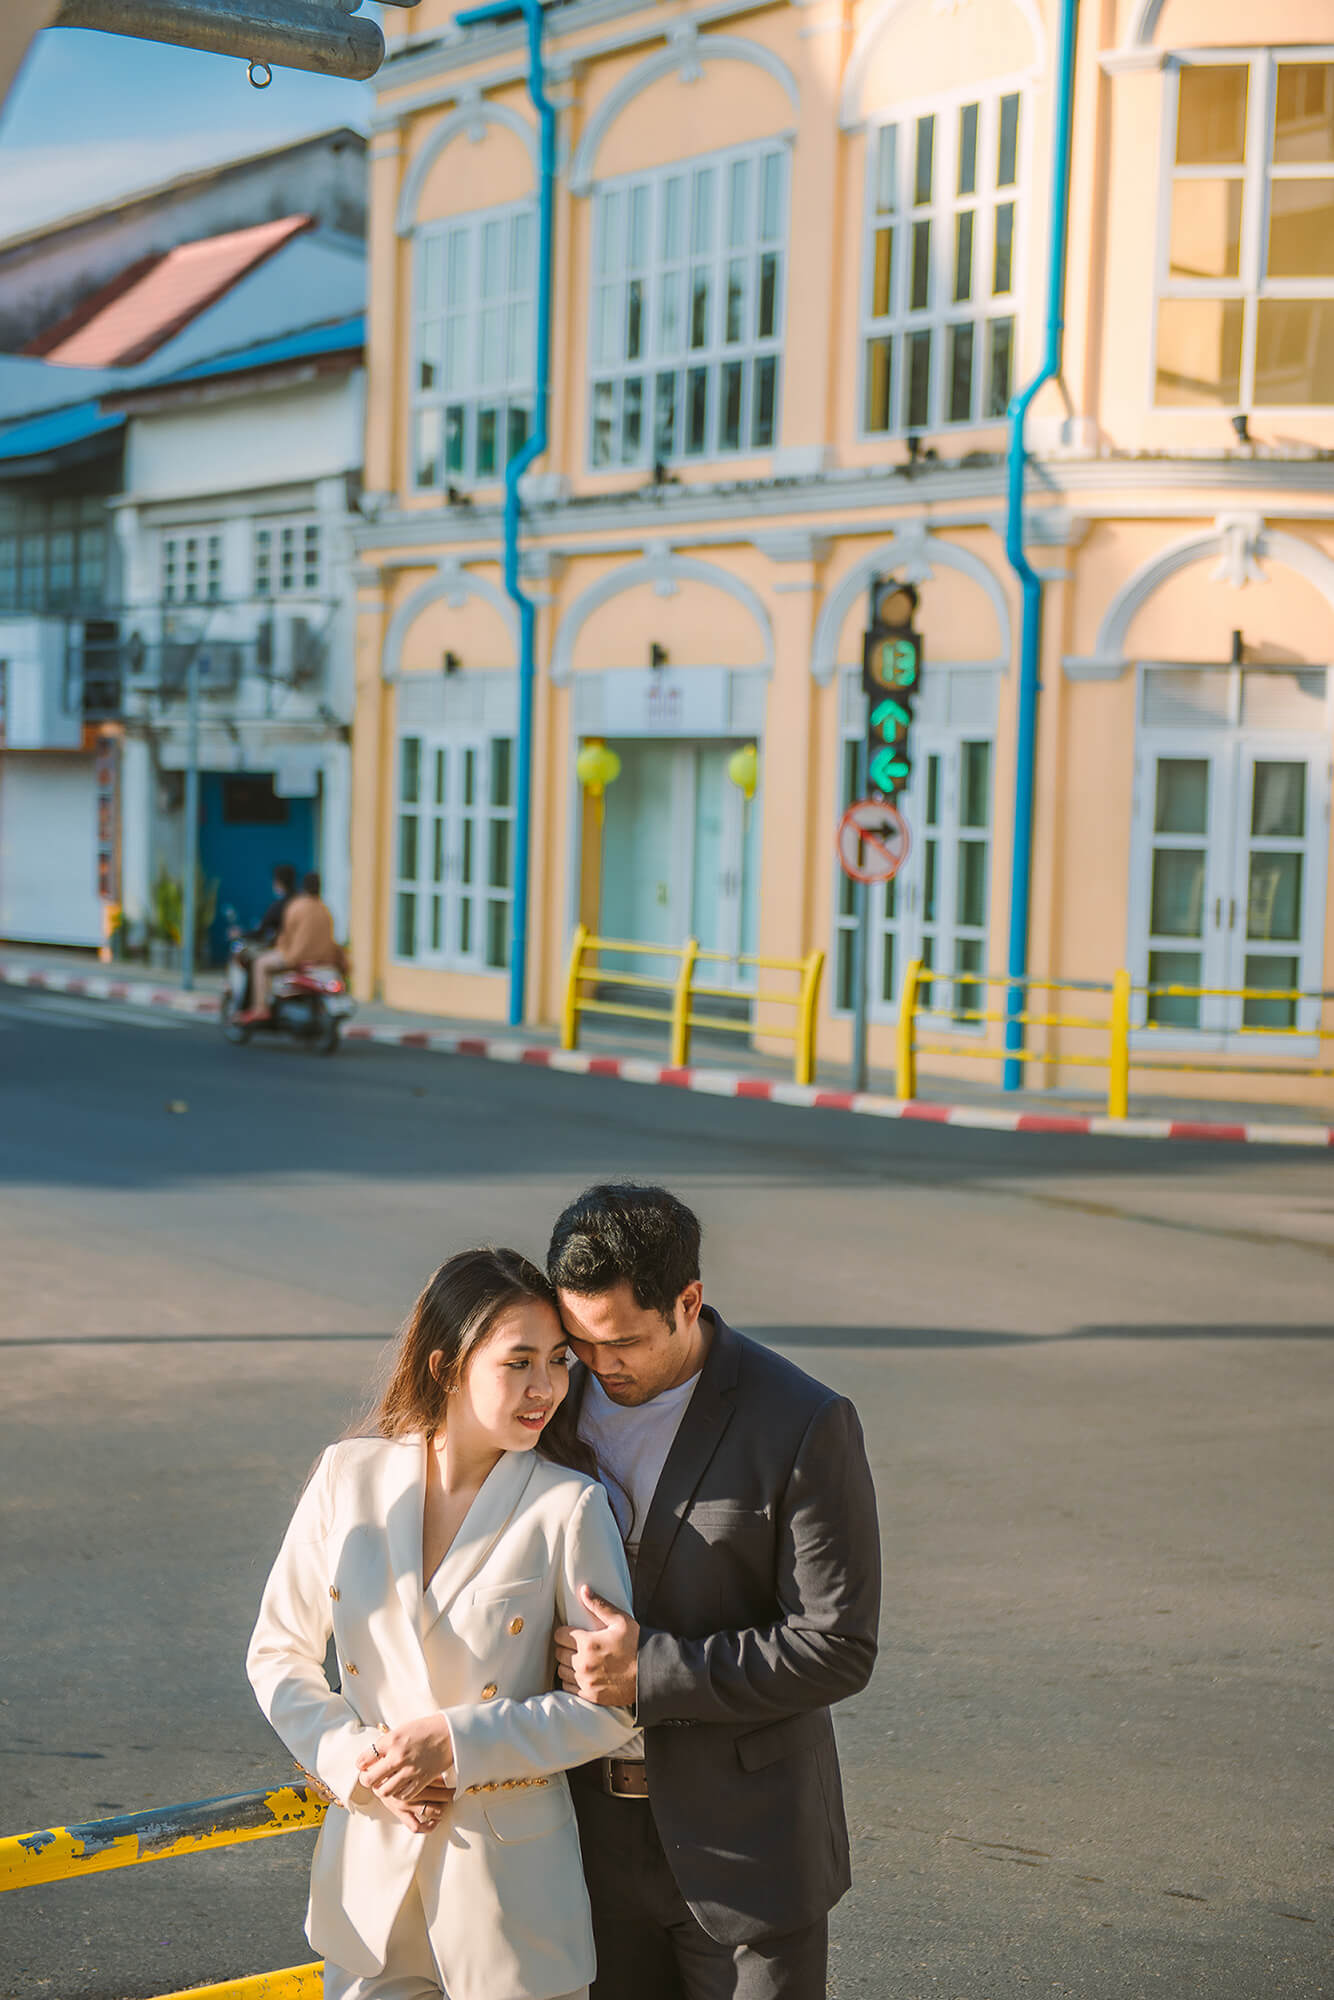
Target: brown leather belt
<point x="622" y="1777"/>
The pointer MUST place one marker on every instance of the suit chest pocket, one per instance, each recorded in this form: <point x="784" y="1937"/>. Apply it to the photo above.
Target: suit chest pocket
<point x="724" y="1527"/>
<point x="498" y="1612"/>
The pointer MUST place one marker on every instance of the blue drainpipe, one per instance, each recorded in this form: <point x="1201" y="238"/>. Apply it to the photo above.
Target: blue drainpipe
<point x="531" y="10"/>
<point x="1021" y="862"/>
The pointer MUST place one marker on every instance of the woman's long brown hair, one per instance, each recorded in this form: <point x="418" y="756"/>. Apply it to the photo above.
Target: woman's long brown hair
<point x="456" y="1312"/>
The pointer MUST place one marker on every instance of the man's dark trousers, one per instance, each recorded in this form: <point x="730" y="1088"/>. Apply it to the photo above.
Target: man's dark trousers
<point x="649" y="1942"/>
<point x="757" y="1590"/>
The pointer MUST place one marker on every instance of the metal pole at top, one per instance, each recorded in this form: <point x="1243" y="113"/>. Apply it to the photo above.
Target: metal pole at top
<point x="861" y="948"/>
<point x="190" y="838"/>
<point x="1021" y="862"/>
<point x="532" y="13"/>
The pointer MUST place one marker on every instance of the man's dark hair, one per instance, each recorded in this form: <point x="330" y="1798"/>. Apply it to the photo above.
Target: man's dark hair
<point x="310" y="884"/>
<point x="620" y="1233"/>
<point x="285" y="876"/>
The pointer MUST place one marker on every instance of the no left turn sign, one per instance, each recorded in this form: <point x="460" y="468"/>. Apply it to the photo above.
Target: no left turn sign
<point x="873" y="841"/>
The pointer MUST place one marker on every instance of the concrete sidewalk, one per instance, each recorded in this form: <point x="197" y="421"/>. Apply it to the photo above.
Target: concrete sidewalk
<point x="721" y="1064"/>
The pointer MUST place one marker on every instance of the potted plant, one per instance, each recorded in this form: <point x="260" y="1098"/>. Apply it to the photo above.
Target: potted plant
<point x="164" y="927"/>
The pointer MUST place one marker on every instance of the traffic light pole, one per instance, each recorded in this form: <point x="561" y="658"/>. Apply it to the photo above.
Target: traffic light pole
<point x="190" y="840"/>
<point x="861" y="948"/>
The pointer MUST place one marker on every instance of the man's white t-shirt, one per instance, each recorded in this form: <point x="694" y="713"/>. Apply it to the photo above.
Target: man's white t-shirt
<point x="632" y="1444"/>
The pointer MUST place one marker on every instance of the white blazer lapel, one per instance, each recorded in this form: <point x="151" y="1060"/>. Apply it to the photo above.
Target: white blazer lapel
<point x="483" y="1525"/>
<point x="403" y="1498"/>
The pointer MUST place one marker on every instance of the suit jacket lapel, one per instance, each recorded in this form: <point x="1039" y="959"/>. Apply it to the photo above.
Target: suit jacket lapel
<point x="707" y="1416"/>
<point x="403" y="1499"/>
<point x="485" y="1522"/>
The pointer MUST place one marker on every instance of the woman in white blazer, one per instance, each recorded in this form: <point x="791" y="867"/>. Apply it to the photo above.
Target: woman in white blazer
<point x="440" y="1553"/>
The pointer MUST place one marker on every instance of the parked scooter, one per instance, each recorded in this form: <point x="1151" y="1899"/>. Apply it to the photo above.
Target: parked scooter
<point x="310" y="1003"/>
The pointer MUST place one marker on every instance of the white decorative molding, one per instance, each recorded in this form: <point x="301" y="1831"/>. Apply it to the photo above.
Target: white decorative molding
<point x="1076" y="669"/>
<point x="686" y="49"/>
<point x="800" y="461"/>
<point x="1240" y="542"/>
<point x="1132" y="62"/>
<point x="1239" y="536"/>
<point x="914" y="552"/>
<point x="455" y="585"/>
<point x="541" y="565"/>
<point x="850" y="113"/>
<point x="543" y="489"/>
<point x="912" y="557"/>
<point x="666" y="572"/>
<point x="660" y="562"/>
<point x="469" y="119"/>
<point x="793" y="545"/>
<point x="1137" y="53"/>
<point x="1144" y="24"/>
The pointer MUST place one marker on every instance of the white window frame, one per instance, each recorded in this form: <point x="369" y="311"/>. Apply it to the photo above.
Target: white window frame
<point x="941" y="314"/>
<point x="1232" y="746"/>
<point x="454" y="884"/>
<point x="732" y="253"/>
<point x="180" y="550"/>
<point x="496" y="338"/>
<point x="1257" y="176"/>
<point x="274" y="538"/>
<point x="908" y="925"/>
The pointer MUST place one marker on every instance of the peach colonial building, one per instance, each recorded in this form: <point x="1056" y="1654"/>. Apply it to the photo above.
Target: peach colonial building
<point x="800" y="253"/>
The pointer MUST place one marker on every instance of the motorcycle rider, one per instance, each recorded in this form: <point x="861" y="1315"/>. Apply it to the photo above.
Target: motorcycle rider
<point x="307" y="938"/>
<point x="248" y="944"/>
<point x="270" y="924"/>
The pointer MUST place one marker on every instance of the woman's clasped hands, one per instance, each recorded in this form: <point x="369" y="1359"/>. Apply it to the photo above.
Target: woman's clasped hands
<point x="405" y="1770"/>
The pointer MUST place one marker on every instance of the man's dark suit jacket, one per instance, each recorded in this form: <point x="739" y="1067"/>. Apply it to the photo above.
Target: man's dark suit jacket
<point x="757" y="1591"/>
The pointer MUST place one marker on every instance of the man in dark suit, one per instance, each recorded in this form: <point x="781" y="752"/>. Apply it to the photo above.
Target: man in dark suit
<point x="716" y="1845"/>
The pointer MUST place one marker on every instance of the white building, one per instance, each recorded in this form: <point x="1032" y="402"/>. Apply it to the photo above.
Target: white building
<point x="176" y="480"/>
<point x="241" y="482"/>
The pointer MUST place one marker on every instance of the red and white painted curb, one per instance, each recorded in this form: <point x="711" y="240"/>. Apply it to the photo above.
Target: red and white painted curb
<point x="707" y="1082"/>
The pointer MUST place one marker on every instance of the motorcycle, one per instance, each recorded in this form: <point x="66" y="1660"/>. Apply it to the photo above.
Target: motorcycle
<point x="308" y="1002"/>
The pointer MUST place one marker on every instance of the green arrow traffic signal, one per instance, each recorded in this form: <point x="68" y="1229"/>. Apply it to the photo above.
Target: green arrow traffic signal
<point x="888" y="771"/>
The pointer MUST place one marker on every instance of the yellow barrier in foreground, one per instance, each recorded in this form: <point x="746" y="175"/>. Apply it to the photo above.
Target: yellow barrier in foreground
<point x="56" y="1853"/>
<point x="1117" y="1024"/>
<point x="294" y="1982"/>
<point x="684" y="990"/>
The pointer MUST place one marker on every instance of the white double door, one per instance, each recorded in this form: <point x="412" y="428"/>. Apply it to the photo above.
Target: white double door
<point x="937" y="908"/>
<point x="1229" y="876"/>
<point x="680" y="852"/>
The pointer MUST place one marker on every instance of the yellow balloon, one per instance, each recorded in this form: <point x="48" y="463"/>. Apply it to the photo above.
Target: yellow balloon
<point x="743" y="768"/>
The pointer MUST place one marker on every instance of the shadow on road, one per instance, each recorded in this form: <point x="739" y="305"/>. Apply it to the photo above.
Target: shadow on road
<point x="935" y="1336"/>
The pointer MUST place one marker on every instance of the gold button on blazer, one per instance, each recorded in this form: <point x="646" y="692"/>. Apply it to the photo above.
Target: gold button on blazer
<point x="500" y="1878"/>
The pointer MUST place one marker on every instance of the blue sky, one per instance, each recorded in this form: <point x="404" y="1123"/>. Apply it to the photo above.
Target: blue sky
<point x="92" y="116"/>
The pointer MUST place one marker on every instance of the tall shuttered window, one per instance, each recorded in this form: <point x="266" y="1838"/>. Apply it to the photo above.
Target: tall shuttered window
<point x="686" y="321"/>
<point x="454" y="852"/>
<point x="1246" y="270"/>
<point x="941" y="268"/>
<point x="474" y="319"/>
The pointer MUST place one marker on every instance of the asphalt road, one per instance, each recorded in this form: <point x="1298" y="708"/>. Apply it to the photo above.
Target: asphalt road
<point x="1096" y="1383"/>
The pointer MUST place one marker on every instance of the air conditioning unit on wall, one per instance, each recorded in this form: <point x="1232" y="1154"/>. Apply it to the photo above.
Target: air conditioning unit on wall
<point x="291" y="648"/>
<point x="43" y="699"/>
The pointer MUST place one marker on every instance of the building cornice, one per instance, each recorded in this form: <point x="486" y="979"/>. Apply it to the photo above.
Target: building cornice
<point x="1066" y="495"/>
<point x="500" y="54"/>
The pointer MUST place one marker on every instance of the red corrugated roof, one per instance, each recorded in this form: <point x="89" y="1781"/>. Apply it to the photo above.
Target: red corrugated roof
<point x="136" y="313"/>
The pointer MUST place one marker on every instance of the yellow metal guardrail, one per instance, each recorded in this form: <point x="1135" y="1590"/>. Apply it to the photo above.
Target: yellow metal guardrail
<point x="684" y="989"/>
<point x="1117" y="1024"/>
<point x="57" y="1853"/>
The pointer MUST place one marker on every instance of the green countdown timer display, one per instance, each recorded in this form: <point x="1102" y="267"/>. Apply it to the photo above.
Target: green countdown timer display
<point x="892" y="658"/>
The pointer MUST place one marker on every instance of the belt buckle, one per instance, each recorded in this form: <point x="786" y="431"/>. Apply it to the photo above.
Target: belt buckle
<point x="609" y="1785"/>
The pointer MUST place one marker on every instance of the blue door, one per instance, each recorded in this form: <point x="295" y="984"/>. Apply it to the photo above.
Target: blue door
<point x="245" y="830"/>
